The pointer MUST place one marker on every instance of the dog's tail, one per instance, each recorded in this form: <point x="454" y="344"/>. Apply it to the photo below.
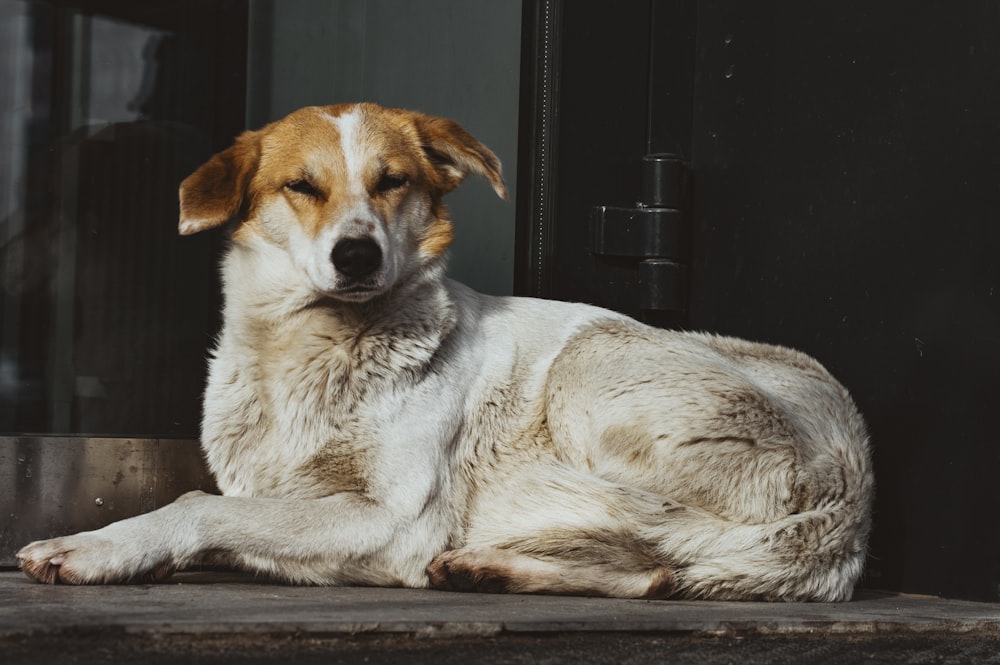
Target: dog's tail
<point x="814" y="554"/>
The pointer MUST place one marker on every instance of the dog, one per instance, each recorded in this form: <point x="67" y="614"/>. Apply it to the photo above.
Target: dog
<point x="371" y="422"/>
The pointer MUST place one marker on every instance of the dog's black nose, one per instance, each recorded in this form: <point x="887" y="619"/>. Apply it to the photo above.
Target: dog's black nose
<point x="356" y="257"/>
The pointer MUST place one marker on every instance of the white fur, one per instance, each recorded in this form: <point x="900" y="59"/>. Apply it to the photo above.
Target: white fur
<point x="347" y="125"/>
<point x="433" y="435"/>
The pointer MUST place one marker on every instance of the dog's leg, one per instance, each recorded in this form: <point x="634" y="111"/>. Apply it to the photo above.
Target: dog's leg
<point x="495" y="570"/>
<point x="321" y="541"/>
<point x="139" y="549"/>
<point x="549" y="528"/>
<point x="555" y="529"/>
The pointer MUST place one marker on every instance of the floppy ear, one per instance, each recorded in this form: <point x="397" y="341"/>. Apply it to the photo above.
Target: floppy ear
<point x="215" y="193"/>
<point x="454" y="153"/>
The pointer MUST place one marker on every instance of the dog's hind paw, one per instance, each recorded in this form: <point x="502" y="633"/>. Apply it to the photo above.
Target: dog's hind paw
<point x="469" y="570"/>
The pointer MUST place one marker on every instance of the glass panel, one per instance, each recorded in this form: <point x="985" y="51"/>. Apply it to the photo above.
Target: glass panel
<point x="454" y="58"/>
<point x="105" y="313"/>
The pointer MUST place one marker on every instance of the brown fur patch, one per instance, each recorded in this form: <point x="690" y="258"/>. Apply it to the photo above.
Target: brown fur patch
<point x="217" y="192"/>
<point x="41" y="571"/>
<point x="632" y="443"/>
<point x="589" y="546"/>
<point x="437" y="238"/>
<point x="455" y="575"/>
<point x="662" y="586"/>
<point x="307" y="150"/>
<point x="341" y="466"/>
<point x="454" y="152"/>
<point x="747" y="415"/>
<point x="717" y="439"/>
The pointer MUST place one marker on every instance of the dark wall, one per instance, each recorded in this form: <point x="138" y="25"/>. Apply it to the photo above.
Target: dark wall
<point x="845" y="185"/>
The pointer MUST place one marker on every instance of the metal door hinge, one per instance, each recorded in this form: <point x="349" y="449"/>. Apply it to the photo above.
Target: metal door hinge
<point x="649" y="242"/>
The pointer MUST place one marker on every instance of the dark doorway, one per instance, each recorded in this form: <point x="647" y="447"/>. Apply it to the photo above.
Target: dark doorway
<point x="843" y="182"/>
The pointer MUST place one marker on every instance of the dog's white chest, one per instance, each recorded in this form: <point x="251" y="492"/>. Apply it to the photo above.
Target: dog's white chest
<point x="299" y="413"/>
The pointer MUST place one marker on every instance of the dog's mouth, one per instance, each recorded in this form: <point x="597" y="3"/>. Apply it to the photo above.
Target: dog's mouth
<point x="346" y="289"/>
<point x="356" y="292"/>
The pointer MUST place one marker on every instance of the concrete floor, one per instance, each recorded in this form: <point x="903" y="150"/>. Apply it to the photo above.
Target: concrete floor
<point x="229" y="618"/>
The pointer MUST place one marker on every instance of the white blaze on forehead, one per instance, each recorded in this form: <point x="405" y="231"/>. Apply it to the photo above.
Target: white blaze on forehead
<point x="348" y="126"/>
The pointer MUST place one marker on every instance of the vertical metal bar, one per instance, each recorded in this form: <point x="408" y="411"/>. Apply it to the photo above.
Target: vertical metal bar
<point x="540" y="102"/>
<point x="672" y="55"/>
<point x="61" y="373"/>
<point x="13" y="203"/>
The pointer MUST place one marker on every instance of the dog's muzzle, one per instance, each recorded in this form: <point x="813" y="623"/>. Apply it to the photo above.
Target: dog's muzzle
<point x="356" y="258"/>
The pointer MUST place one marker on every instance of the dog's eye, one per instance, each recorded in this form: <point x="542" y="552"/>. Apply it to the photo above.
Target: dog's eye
<point x="389" y="182"/>
<point x="303" y="187"/>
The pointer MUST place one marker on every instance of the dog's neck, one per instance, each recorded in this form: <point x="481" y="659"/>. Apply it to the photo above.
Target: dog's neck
<point x="267" y="301"/>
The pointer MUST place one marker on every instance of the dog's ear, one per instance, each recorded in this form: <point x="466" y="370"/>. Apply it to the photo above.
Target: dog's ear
<point x="216" y="192"/>
<point x="455" y="153"/>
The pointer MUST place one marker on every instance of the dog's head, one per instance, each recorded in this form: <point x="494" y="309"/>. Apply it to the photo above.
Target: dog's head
<point x="353" y="193"/>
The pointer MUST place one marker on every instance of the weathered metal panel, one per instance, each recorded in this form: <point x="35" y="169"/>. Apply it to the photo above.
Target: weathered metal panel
<point x="51" y="486"/>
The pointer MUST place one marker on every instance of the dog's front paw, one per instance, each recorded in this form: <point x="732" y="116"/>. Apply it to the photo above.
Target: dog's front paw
<point x="88" y="558"/>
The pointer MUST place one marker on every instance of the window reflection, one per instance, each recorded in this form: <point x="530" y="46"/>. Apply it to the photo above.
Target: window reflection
<point x="105" y="313"/>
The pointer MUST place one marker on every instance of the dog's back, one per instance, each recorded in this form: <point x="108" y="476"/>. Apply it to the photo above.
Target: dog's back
<point x="656" y="463"/>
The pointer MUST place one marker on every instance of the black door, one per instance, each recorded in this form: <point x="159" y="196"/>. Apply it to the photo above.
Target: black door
<point x="843" y="173"/>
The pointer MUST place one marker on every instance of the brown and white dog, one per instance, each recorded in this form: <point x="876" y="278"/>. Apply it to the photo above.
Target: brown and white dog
<point x="371" y="422"/>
